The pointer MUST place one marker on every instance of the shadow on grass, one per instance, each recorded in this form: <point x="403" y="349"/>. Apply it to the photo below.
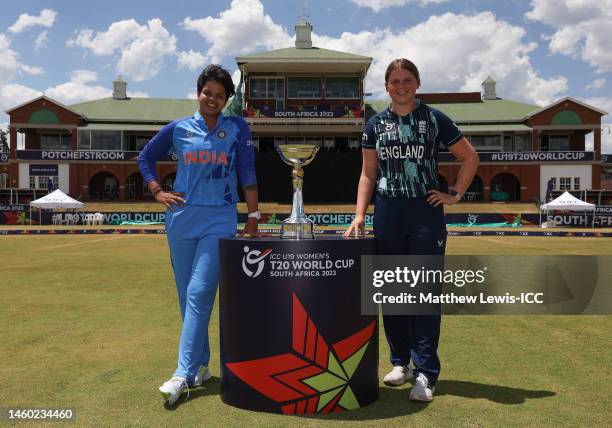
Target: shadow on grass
<point x="211" y="387"/>
<point x="496" y="393"/>
<point x="394" y="402"/>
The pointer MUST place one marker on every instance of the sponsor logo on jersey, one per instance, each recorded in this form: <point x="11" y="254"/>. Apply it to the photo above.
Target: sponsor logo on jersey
<point x="205" y="157"/>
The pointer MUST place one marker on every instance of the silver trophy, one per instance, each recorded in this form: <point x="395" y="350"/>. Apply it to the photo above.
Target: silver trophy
<point x="297" y="226"/>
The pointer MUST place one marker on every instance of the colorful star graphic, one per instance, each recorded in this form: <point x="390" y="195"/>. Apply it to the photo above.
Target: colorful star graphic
<point x="314" y="378"/>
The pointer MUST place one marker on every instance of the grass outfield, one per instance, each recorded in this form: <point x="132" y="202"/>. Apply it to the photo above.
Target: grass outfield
<point x="463" y="207"/>
<point x="92" y="323"/>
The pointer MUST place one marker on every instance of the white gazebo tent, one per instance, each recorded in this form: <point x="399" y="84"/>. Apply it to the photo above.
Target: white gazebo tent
<point x="566" y="202"/>
<point x="56" y="199"/>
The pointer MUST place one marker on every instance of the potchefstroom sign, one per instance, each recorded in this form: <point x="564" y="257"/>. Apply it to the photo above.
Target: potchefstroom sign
<point x="293" y="339"/>
<point x="82" y="155"/>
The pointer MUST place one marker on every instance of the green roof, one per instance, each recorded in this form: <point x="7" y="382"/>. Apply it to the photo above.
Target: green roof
<point x="310" y="53"/>
<point x="136" y="109"/>
<point x="489" y="110"/>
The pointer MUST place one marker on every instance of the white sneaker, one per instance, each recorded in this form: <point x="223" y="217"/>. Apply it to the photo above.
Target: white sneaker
<point x="202" y="376"/>
<point x="398" y="375"/>
<point x="172" y="389"/>
<point x="421" y="390"/>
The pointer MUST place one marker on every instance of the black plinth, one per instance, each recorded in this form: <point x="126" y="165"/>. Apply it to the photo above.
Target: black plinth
<point x="293" y="339"/>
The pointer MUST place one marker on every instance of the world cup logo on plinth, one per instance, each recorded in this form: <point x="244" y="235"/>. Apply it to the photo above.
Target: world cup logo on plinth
<point x="297" y="226"/>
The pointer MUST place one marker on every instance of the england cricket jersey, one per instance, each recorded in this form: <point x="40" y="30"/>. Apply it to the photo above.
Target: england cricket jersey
<point x="210" y="161"/>
<point x="407" y="149"/>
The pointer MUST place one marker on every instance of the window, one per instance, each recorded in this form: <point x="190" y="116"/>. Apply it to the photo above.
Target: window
<point x="41" y="182"/>
<point x="84" y="140"/>
<point x="342" y="87"/>
<point x="554" y="183"/>
<point x="576" y="183"/>
<point x="486" y="143"/>
<point x="55" y="141"/>
<point x="267" y="87"/>
<point x="555" y="143"/>
<point x="522" y="142"/>
<point x="106" y="140"/>
<point x="135" y="143"/>
<point x="296" y="140"/>
<point x="565" y="183"/>
<point x="100" y="140"/>
<point x="314" y="140"/>
<point x="304" y="87"/>
<point x="508" y="143"/>
<point x="4" y="181"/>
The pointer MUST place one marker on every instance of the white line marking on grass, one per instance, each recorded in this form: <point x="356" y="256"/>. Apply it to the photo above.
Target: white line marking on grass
<point x="73" y="244"/>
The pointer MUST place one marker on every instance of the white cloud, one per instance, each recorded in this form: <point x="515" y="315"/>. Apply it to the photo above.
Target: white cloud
<point x="81" y="88"/>
<point x="25" y="21"/>
<point x="597" y="84"/>
<point x="582" y="29"/>
<point x="243" y="28"/>
<point x="455" y="53"/>
<point x="141" y="48"/>
<point x="35" y="71"/>
<point x="192" y="60"/>
<point x="377" y="5"/>
<point x="10" y="64"/>
<point x="13" y="94"/>
<point x="41" y="40"/>
<point x="78" y="89"/>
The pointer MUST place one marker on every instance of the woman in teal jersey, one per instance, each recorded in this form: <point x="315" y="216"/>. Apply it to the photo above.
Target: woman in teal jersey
<point x="214" y="152"/>
<point x="400" y="153"/>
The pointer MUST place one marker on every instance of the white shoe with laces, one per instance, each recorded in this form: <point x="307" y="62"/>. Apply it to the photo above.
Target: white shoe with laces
<point x="422" y="391"/>
<point x="398" y="376"/>
<point x="202" y="376"/>
<point x="172" y="389"/>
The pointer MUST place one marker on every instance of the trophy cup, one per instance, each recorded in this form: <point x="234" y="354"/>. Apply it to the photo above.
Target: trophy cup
<point x="297" y="226"/>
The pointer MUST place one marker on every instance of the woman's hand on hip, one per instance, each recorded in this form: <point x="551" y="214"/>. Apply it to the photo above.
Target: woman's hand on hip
<point x="170" y="198"/>
<point x="436" y="198"/>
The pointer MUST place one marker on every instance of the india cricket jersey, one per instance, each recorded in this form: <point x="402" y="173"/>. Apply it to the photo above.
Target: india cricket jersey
<point x="407" y="149"/>
<point x="209" y="160"/>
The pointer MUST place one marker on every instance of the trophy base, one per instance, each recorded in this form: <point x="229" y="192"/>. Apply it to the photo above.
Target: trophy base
<point x="297" y="231"/>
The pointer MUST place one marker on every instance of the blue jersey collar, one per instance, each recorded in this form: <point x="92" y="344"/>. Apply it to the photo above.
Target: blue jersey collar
<point x="198" y="118"/>
<point x="417" y="104"/>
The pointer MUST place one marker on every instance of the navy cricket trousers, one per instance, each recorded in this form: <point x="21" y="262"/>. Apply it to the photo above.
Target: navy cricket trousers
<point x="405" y="227"/>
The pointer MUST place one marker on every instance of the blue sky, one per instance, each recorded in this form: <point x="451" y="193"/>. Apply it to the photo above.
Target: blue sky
<point x="537" y="50"/>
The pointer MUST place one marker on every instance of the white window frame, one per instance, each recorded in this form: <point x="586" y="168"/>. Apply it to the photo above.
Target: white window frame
<point x="565" y="183"/>
<point x="342" y="98"/>
<point x="103" y="150"/>
<point x="321" y="91"/>
<point x="267" y="79"/>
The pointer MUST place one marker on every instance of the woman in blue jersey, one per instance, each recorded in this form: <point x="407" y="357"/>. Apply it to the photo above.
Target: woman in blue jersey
<point x="214" y="152"/>
<point x="400" y="151"/>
